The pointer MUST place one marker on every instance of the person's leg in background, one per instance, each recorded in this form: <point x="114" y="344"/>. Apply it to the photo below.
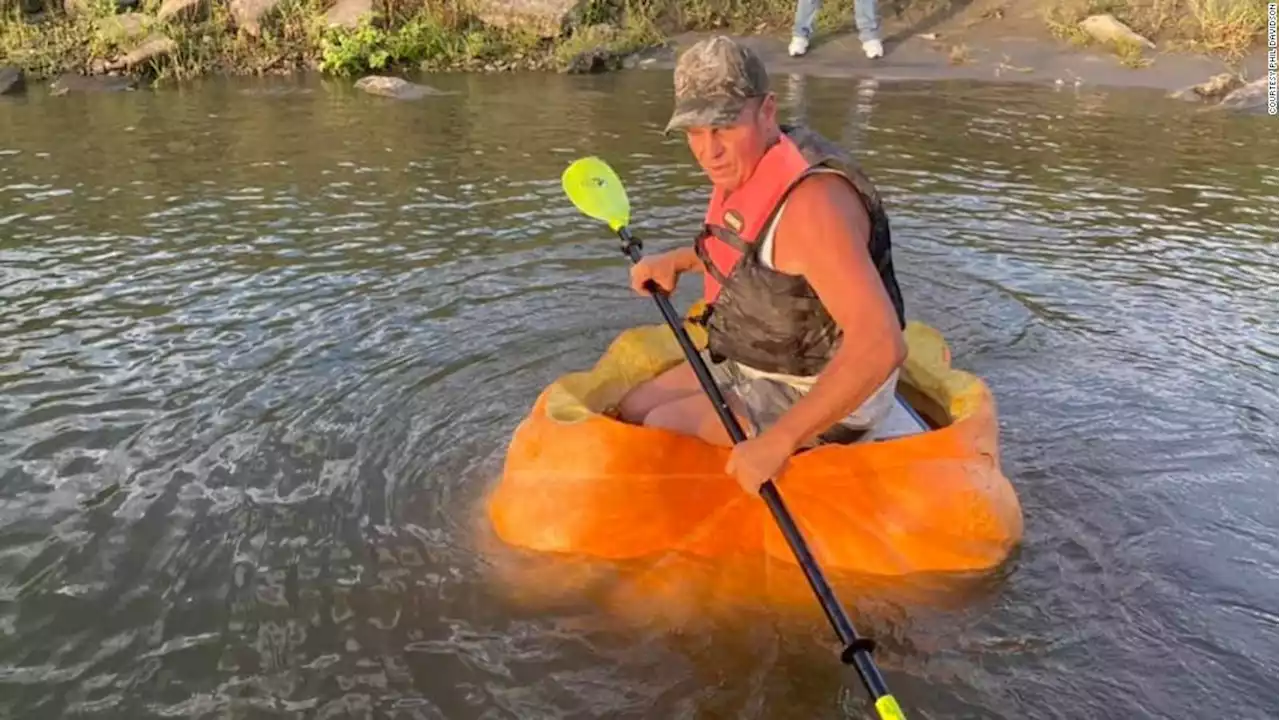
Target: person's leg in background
<point x="865" y="17"/>
<point x="802" y="28"/>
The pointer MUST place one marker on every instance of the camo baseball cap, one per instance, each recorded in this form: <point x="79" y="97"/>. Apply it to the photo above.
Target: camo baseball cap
<point x="714" y="80"/>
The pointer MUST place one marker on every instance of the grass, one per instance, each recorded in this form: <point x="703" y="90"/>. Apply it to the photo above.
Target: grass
<point x="401" y="34"/>
<point x="1226" y="28"/>
<point x="430" y="35"/>
<point x="1130" y="53"/>
<point x="446" y="34"/>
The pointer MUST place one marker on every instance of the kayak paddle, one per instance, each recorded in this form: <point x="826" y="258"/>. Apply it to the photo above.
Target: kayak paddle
<point x="597" y="192"/>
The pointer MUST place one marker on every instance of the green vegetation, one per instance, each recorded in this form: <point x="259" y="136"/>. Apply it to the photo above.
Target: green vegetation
<point x="88" y="36"/>
<point x="1227" y="28"/>
<point x="47" y="37"/>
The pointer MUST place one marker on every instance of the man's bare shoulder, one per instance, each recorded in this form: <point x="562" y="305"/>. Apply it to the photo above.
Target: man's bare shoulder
<point x="828" y="203"/>
<point x="826" y="189"/>
<point x="824" y="222"/>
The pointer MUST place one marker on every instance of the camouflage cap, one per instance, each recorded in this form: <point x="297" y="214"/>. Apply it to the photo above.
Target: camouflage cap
<point x="714" y="80"/>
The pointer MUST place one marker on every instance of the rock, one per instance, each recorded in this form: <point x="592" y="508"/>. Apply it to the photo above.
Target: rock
<point x="547" y="18"/>
<point x="394" y="87"/>
<point x="1106" y="29"/>
<point x="1211" y="89"/>
<point x="597" y="55"/>
<point x="1250" y="98"/>
<point x="348" y="13"/>
<point x="70" y="82"/>
<point x="1218" y="86"/>
<point x="640" y="58"/>
<point x="249" y="14"/>
<point x="120" y="29"/>
<point x="595" y="60"/>
<point x="182" y="10"/>
<point x="155" y="46"/>
<point x="12" y="80"/>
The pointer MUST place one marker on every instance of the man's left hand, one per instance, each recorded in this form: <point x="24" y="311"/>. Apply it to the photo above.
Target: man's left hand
<point x="756" y="460"/>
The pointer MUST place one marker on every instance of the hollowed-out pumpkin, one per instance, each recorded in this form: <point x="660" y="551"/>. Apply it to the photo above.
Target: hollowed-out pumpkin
<point x="579" y="481"/>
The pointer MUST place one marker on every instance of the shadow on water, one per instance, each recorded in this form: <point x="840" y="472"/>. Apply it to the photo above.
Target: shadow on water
<point x="263" y="343"/>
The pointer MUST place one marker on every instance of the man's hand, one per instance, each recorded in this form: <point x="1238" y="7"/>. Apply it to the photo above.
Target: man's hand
<point x="756" y="460"/>
<point x="663" y="269"/>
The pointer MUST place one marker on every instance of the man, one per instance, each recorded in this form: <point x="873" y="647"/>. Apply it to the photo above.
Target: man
<point x="805" y="316"/>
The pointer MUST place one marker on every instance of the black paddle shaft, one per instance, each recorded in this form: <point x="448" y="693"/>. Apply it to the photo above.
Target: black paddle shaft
<point x="857" y="650"/>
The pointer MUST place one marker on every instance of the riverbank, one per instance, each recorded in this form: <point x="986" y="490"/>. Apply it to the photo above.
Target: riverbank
<point x="984" y="52"/>
<point x="1161" y="43"/>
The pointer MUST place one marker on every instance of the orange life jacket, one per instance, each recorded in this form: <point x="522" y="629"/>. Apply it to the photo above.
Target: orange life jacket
<point x="748" y="211"/>
<point x="756" y="315"/>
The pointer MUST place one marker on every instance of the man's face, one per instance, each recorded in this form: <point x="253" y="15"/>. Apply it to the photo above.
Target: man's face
<point x="728" y="154"/>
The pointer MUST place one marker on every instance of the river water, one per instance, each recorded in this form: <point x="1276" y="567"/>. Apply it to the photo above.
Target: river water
<point x="262" y="344"/>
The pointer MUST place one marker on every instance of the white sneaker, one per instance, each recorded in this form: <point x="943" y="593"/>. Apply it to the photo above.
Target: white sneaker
<point x="872" y="48"/>
<point x="799" y="46"/>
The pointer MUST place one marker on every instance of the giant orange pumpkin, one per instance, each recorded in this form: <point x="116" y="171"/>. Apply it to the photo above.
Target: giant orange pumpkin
<point x="580" y="482"/>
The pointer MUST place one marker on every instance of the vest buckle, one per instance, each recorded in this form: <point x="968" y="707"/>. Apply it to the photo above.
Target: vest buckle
<point x="705" y="316"/>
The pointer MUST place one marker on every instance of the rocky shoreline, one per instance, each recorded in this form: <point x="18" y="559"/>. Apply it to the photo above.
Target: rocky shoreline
<point x="1190" y="77"/>
<point x="87" y="45"/>
<point x="162" y="40"/>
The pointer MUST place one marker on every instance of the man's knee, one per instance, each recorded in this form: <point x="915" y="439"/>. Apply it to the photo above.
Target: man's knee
<point x="670" y="416"/>
<point x="670" y="386"/>
<point x="640" y="401"/>
<point x="697" y="417"/>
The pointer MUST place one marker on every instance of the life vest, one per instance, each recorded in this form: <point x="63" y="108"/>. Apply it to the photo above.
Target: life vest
<point x="758" y="316"/>
<point x="747" y="211"/>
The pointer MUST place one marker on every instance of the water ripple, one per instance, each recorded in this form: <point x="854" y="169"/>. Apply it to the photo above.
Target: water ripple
<point x="252" y="383"/>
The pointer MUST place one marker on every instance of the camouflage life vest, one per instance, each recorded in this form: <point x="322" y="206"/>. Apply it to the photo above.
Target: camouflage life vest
<point x="760" y="317"/>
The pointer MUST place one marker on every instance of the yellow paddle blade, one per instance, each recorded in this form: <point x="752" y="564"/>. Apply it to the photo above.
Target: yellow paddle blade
<point x="595" y="189"/>
<point x="888" y="708"/>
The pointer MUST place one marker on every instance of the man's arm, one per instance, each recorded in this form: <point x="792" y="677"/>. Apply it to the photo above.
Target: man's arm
<point x="824" y="235"/>
<point x="687" y="260"/>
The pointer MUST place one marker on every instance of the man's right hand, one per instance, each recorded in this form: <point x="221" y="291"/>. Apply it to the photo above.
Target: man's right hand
<point x="663" y="269"/>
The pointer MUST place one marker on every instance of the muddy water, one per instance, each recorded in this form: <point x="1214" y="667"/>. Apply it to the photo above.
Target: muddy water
<point x="261" y="347"/>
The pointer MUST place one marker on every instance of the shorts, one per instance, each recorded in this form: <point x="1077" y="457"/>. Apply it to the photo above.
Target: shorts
<point x="765" y="397"/>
